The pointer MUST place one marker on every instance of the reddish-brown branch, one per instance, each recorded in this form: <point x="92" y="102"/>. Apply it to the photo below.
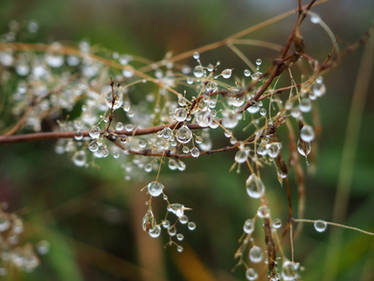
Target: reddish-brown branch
<point x="71" y="134"/>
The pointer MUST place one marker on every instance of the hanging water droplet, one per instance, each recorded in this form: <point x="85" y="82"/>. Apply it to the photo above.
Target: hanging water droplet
<point x="79" y="158"/>
<point x="247" y="72"/>
<point x="198" y="71"/>
<point x="179" y="249"/>
<point x="196" y="55"/>
<point x="180" y="114"/>
<point x="119" y="126"/>
<point x="195" y="152"/>
<point x="93" y="146"/>
<point x="320" y="225"/>
<point x="148" y="220"/>
<point x="226" y="73"/>
<point x="307" y="133"/>
<point x="255" y="186"/>
<point x="241" y="156"/>
<point x="254" y="108"/>
<point x="273" y="149"/>
<point x="183" y="134"/>
<point x="94" y="132"/>
<point x="277" y="223"/>
<point x="289" y="271"/>
<point x="249" y="226"/>
<point x="165" y="224"/>
<point x="263" y="211"/>
<point x="191" y="225"/>
<point x="177" y="209"/>
<point x="304" y="148"/>
<point x="315" y="18"/>
<point x="255" y="254"/>
<point x="183" y="219"/>
<point x="180" y="236"/>
<point x="251" y="274"/>
<point x="258" y="62"/>
<point x="155" y="188"/>
<point x="319" y="89"/>
<point x="305" y="105"/>
<point x="172" y="230"/>
<point x="155" y="231"/>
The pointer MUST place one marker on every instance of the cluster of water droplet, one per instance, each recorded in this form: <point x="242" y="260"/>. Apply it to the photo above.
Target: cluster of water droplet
<point x="13" y="250"/>
<point x="175" y="214"/>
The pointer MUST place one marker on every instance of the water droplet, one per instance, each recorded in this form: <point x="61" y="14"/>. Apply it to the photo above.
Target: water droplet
<point x="172" y="230"/>
<point x="179" y="249"/>
<point x="315" y="18"/>
<point x="249" y="226"/>
<point x="42" y="247"/>
<point x="251" y="274"/>
<point x="254" y="108"/>
<point x="180" y="114"/>
<point x="119" y="126"/>
<point x="94" y="132"/>
<point x="180" y="236"/>
<point x="165" y="223"/>
<point x="289" y="271"/>
<point x="241" y="156"/>
<point x="255" y="254"/>
<point x="196" y="55"/>
<point x="320" y="225"/>
<point x="263" y="211"/>
<point x="198" y="71"/>
<point x="273" y="149"/>
<point x="247" y="72"/>
<point x="307" y="133"/>
<point x="258" y="62"/>
<point x="177" y="209"/>
<point x="79" y="158"/>
<point x="191" y="225"/>
<point x="155" y="188"/>
<point x="277" y="223"/>
<point x="304" y="148"/>
<point x="305" y="105"/>
<point x="255" y="186"/>
<point x="183" y="219"/>
<point x="319" y="89"/>
<point x="155" y="231"/>
<point x="226" y="73"/>
<point x="195" y="152"/>
<point x="183" y="134"/>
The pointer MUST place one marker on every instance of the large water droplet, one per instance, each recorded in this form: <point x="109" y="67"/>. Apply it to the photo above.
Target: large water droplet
<point x="79" y="158"/>
<point x="198" y="71"/>
<point x="255" y="254"/>
<point x="307" y="133"/>
<point x="155" y="188"/>
<point x="255" y="186"/>
<point x="183" y="134"/>
<point x="249" y="226"/>
<point x="320" y="225"/>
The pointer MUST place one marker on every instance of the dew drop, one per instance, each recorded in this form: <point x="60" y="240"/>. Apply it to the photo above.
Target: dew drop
<point x="191" y="225"/>
<point x="307" y="133"/>
<point x="198" y="71"/>
<point x="241" y="156"/>
<point x="255" y="186"/>
<point x="247" y="72"/>
<point x="155" y="188"/>
<point x="183" y="134"/>
<point x="155" y="231"/>
<point x="226" y="73"/>
<point x="94" y="132"/>
<point x="249" y="226"/>
<point x="320" y="225"/>
<point x="79" y="158"/>
<point x="255" y="254"/>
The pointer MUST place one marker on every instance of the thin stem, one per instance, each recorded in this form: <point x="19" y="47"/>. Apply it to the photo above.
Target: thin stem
<point x="336" y="224"/>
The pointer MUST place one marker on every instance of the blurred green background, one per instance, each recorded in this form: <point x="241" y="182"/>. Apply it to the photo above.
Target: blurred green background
<point x="92" y="217"/>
